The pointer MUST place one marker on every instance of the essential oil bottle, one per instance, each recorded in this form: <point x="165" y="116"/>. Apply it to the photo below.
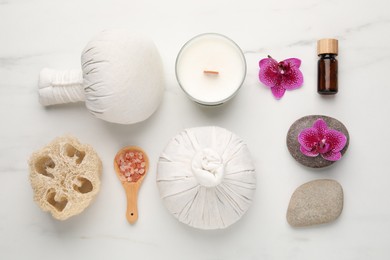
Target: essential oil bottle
<point x="327" y="50"/>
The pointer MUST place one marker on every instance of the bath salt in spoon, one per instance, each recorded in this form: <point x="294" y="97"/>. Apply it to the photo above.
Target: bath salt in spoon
<point x="131" y="165"/>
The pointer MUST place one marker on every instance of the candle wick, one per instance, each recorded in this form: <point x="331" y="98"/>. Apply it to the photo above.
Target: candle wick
<point x="213" y="72"/>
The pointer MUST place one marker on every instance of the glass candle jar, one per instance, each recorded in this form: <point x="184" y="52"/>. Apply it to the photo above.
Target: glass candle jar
<point x="210" y="68"/>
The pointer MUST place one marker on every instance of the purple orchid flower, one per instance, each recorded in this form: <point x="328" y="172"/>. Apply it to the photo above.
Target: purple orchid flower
<point x="280" y="76"/>
<point x="319" y="139"/>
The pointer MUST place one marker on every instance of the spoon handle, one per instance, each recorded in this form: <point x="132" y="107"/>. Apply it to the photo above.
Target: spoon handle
<point x="132" y="197"/>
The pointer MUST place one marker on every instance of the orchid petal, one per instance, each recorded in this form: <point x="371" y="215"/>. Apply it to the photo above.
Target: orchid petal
<point x="308" y="138"/>
<point x="266" y="62"/>
<point x="294" y="62"/>
<point x="321" y="127"/>
<point x="331" y="156"/>
<point x="278" y="91"/>
<point x="336" y="139"/>
<point x="292" y="79"/>
<point x="308" y="153"/>
<point x="268" y="72"/>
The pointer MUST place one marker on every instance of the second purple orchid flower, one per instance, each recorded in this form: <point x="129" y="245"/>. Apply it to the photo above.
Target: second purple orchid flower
<point x="321" y="140"/>
<point x="280" y="76"/>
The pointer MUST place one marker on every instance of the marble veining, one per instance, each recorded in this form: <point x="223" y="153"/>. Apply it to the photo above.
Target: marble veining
<point x="110" y="237"/>
<point x="42" y="33"/>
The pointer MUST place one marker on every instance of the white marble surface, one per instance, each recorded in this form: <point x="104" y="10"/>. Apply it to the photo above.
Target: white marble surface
<point x="40" y="33"/>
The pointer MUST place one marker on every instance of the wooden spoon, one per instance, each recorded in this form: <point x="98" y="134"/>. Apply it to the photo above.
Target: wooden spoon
<point x="131" y="165"/>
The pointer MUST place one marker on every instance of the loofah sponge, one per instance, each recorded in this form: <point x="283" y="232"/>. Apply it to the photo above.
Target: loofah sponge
<point x="65" y="176"/>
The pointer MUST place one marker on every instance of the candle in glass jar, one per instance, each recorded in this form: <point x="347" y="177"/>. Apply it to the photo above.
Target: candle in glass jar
<point x="210" y="68"/>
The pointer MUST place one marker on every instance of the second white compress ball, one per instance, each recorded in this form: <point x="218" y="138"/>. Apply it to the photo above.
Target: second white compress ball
<point x="206" y="177"/>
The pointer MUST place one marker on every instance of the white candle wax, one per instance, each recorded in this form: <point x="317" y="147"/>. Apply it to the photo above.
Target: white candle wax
<point x="210" y="68"/>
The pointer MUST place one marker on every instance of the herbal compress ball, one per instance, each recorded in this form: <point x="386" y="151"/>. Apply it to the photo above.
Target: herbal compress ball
<point x="65" y="177"/>
<point x="121" y="79"/>
<point x="206" y="177"/>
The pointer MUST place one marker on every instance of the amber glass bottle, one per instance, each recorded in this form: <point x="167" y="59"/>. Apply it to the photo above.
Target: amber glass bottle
<point x="327" y="50"/>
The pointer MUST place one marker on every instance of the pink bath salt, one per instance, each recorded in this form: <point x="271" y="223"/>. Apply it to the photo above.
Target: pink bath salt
<point x="132" y="165"/>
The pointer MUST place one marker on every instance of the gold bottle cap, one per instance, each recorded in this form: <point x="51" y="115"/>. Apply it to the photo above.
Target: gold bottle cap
<point x="327" y="46"/>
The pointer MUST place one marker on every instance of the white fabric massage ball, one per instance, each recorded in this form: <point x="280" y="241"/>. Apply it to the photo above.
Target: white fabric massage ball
<point x="121" y="80"/>
<point x="206" y="177"/>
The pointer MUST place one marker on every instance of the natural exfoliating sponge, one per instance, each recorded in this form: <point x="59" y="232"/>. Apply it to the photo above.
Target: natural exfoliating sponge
<point x="65" y="177"/>
<point x="121" y="79"/>
<point x="206" y="177"/>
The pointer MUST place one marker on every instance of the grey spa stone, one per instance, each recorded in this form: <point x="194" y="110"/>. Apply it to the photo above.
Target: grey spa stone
<point x="306" y="122"/>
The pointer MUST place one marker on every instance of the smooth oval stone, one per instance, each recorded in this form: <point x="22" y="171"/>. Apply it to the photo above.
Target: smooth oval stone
<point x="306" y="122"/>
<point x="315" y="202"/>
